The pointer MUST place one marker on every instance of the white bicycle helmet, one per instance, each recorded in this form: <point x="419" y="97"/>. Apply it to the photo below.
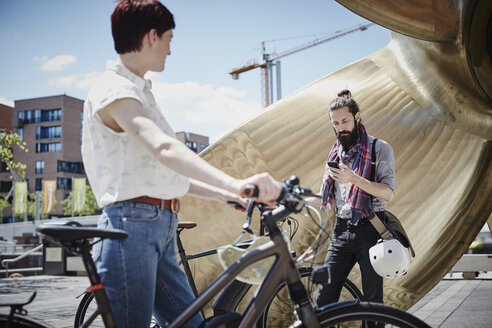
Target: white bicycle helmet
<point x="389" y="258"/>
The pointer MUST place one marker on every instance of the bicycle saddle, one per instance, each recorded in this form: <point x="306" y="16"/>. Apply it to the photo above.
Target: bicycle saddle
<point x="15" y="301"/>
<point x="69" y="234"/>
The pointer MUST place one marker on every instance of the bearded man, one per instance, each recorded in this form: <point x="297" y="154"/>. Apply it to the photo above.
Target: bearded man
<point x="354" y="198"/>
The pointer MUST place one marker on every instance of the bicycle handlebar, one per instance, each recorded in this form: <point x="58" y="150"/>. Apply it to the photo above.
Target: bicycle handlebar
<point x="291" y="200"/>
<point x="290" y="188"/>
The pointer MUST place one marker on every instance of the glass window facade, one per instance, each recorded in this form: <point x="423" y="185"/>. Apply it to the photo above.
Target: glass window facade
<point x="48" y="132"/>
<point x="48" y="147"/>
<point x="64" y="183"/>
<point x="3" y="166"/>
<point x="191" y="145"/>
<point x="20" y="132"/>
<point x="39" y="184"/>
<point x="70" y="167"/>
<point x="39" y="167"/>
<point x="40" y="115"/>
<point x="5" y="186"/>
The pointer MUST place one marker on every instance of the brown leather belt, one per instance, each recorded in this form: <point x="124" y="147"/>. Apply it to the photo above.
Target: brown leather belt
<point x="170" y="204"/>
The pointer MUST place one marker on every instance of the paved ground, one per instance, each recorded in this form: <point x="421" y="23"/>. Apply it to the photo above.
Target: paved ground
<point x="55" y="302"/>
<point x="453" y="303"/>
<point x="457" y="303"/>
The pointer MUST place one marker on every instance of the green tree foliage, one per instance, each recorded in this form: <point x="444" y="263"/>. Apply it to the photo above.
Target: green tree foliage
<point x="31" y="206"/>
<point x="4" y="202"/>
<point x="90" y="205"/>
<point x="7" y="140"/>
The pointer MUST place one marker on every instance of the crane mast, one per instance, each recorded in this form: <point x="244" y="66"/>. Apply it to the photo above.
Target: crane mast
<point x="269" y="61"/>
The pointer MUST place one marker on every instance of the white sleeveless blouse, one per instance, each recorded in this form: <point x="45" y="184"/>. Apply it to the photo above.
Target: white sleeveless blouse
<point x="117" y="166"/>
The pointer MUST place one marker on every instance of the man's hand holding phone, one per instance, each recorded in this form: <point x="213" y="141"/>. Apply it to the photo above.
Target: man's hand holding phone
<point x="333" y="165"/>
<point x="340" y="172"/>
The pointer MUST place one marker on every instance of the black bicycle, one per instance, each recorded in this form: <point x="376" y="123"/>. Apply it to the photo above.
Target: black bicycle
<point x="283" y="269"/>
<point x="278" y="313"/>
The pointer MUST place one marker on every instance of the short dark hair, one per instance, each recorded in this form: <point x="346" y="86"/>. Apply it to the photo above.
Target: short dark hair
<point x="132" y="19"/>
<point x="345" y="99"/>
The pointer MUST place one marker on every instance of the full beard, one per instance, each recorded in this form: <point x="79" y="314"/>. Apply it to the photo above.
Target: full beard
<point x="349" y="139"/>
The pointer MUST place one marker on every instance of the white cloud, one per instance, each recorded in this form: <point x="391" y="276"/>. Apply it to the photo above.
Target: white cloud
<point x="7" y="102"/>
<point x="192" y="104"/>
<point x="57" y="63"/>
<point x="44" y="58"/>
<point x="78" y="81"/>
<point x="189" y="106"/>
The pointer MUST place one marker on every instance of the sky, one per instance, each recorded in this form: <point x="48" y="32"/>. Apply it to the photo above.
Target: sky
<point x="55" y="47"/>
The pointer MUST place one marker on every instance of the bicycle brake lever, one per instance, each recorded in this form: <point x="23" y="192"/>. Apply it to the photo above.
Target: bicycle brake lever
<point x="236" y="205"/>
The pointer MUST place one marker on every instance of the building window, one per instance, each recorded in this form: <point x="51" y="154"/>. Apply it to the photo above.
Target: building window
<point x="191" y="145"/>
<point x="202" y="147"/>
<point x="37" y="115"/>
<point x="51" y="115"/>
<point x="39" y="184"/>
<point x="39" y="167"/>
<point x="70" y="167"/>
<point x="48" y="132"/>
<point x="64" y="183"/>
<point x="40" y="115"/>
<point x="3" y="166"/>
<point x="29" y="116"/>
<point x="48" y="147"/>
<point x="5" y="186"/>
<point x="20" y="132"/>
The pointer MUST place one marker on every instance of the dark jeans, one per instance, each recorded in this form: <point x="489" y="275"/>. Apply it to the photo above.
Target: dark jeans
<point x="351" y="245"/>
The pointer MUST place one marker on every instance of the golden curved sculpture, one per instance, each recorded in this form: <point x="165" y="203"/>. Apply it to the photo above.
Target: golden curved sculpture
<point x="428" y="93"/>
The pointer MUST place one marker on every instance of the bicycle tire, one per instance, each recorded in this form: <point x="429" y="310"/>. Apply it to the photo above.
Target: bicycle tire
<point x="358" y="314"/>
<point x="19" y="322"/>
<point x="281" y="304"/>
<point x="87" y="305"/>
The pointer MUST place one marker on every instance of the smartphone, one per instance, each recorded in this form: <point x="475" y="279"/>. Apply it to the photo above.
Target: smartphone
<point x="333" y="164"/>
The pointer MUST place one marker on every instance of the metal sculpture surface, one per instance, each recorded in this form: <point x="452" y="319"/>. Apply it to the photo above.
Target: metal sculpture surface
<point x="428" y="93"/>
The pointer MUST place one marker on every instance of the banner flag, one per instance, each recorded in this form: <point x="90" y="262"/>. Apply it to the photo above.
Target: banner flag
<point x="49" y="196"/>
<point x="78" y="194"/>
<point x="20" y="197"/>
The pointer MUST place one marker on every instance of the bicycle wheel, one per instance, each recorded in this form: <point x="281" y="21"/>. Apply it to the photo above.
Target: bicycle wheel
<point x="19" y="322"/>
<point x="280" y="312"/>
<point x="88" y="306"/>
<point x="356" y="314"/>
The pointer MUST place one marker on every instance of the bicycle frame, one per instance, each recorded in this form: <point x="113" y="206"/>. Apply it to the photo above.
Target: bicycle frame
<point x="283" y="269"/>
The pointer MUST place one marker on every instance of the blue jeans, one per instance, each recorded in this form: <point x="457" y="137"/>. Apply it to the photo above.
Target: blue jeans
<point x="141" y="274"/>
<point x="351" y="245"/>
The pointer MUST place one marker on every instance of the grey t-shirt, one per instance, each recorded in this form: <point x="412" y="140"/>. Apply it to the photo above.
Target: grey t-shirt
<point x="385" y="173"/>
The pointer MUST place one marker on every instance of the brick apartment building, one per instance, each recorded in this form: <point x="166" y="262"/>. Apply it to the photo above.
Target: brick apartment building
<point x="6" y="114"/>
<point x="195" y="142"/>
<point x="52" y="129"/>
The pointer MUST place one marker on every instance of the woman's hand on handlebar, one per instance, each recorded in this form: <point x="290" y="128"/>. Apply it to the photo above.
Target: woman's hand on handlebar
<point x="239" y="203"/>
<point x="268" y="188"/>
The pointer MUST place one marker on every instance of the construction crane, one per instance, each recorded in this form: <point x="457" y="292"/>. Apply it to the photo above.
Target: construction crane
<point x="271" y="60"/>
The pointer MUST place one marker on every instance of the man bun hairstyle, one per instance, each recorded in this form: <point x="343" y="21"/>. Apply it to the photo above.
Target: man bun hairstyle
<point x="345" y="99"/>
<point x="132" y="19"/>
<point x="345" y="93"/>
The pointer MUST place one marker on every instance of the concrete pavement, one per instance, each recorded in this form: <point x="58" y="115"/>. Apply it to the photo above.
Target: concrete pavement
<point x="454" y="302"/>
